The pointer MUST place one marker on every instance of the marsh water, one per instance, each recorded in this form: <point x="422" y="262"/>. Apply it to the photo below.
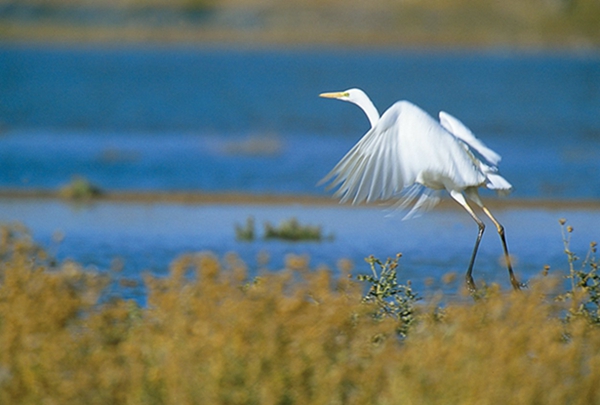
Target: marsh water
<point x="220" y="120"/>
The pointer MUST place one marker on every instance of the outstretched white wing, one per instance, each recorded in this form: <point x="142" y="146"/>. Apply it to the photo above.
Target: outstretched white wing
<point x="490" y="167"/>
<point x="460" y="130"/>
<point x="405" y="147"/>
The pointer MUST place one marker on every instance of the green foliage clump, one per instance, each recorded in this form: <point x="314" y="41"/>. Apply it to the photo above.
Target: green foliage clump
<point x="245" y="232"/>
<point x="289" y="230"/>
<point x="584" y="294"/>
<point x="292" y="230"/>
<point x="79" y="189"/>
<point x="391" y="299"/>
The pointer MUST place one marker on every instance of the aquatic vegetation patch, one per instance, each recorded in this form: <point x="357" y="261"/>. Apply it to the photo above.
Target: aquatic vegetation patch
<point x="254" y="145"/>
<point x="292" y="230"/>
<point x="79" y="189"/>
<point x="288" y="230"/>
<point x="245" y="232"/>
<point x="211" y="335"/>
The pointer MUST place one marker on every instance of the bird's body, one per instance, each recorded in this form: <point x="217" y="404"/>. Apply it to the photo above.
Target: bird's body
<point x="407" y="148"/>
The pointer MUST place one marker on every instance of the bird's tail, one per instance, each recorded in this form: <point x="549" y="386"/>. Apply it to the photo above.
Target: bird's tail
<point x="427" y="199"/>
<point x="498" y="183"/>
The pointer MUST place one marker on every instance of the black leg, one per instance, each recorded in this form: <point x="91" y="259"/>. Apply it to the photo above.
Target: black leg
<point x="513" y="280"/>
<point x="469" y="276"/>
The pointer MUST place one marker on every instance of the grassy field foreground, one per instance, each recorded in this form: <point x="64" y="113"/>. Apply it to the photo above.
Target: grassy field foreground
<point x="211" y="336"/>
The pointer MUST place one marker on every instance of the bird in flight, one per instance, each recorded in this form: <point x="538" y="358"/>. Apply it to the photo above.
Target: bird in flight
<point x="408" y="154"/>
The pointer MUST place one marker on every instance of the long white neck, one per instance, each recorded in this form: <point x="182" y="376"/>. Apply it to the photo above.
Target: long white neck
<point x="365" y="103"/>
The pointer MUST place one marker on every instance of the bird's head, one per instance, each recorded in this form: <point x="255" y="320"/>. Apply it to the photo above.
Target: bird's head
<point x="351" y="95"/>
<point x="358" y="97"/>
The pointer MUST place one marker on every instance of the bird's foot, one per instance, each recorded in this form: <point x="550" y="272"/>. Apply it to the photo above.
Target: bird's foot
<point x="470" y="284"/>
<point x="516" y="285"/>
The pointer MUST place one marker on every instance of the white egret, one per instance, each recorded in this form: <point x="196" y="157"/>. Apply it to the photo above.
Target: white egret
<point x="407" y="153"/>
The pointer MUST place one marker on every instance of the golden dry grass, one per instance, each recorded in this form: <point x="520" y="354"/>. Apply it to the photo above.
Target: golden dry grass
<point x="210" y="336"/>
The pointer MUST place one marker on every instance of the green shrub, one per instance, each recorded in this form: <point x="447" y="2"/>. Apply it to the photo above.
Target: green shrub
<point x="584" y="295"/>
<point x="292" y="230"/>
<point x="289" y="230"/>
<point x="79" y="189"/>
<point x="245" y="232"/>
<point x="391" y="299"/>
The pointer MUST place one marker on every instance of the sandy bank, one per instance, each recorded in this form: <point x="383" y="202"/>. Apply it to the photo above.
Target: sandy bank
<point x="237" y="198"/>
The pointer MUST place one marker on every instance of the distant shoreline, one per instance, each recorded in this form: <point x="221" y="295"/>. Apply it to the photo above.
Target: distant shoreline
<point x="240" y="198"/>
<point x="122" y="38"/>
<point x="472" y="24"/>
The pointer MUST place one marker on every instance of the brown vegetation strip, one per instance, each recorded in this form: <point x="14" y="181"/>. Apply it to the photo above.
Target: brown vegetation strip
<point x="239" y="198"/>
<point x="426" y="23"/>
<point x="212" y="334"/>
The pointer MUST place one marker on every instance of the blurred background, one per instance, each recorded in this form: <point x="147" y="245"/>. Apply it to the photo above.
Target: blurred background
<point x="142" y="101"/>
<point x="405" y="23"/>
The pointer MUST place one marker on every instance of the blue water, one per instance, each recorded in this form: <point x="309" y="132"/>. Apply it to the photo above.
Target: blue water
<point x="208" y="119"/>
<point x="185" y="118"/>
<point x="146" y="238"/>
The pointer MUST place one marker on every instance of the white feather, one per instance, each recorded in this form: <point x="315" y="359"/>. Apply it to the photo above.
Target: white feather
<point x="408" y="155"/>
<point x="460" y="130"/>
<point x="407" y="147"/>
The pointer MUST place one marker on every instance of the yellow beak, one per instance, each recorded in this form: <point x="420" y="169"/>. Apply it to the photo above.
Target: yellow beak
<point x="333" y="95"/>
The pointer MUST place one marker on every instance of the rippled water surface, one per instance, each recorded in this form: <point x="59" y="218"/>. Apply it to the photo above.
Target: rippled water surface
<point x="146" y="238"/>
<point x="202" y="119"/>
